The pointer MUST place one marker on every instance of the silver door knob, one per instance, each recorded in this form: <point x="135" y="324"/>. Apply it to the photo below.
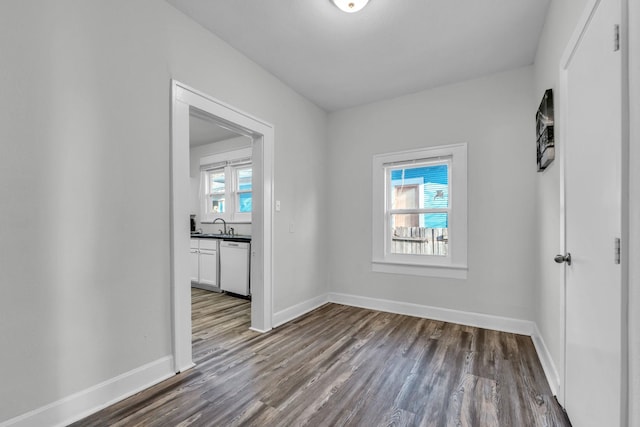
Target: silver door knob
<point x="563" y="258"/>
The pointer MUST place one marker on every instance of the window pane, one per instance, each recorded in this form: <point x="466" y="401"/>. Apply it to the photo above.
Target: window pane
<point x="216" y="203"/>
<point x="425" y="187"/>
<point x="405" y="196"/>
<point x="420" y="234"/>
<point x="244" y="179"/>
<point x="216" y="182"/>
<point x="244" y="202"/>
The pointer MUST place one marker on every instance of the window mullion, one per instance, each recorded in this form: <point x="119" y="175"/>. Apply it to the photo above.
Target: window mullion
<point x="229" y="189"/>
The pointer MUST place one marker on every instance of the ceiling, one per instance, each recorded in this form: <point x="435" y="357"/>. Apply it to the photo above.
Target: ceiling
<point x="390" y="48"/>
<point x="205" y="131"/>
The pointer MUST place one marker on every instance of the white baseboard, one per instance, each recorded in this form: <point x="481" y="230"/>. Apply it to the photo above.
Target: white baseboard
<point x="79" y="405"/>
<point x="260" y="331"/>
<point x="487" y="321"/>
<point x="298" y="310"/>
<point x="546" y="360"/>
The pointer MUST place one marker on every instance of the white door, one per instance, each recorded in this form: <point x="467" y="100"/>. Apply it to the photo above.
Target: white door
<point x="593" y="340"/>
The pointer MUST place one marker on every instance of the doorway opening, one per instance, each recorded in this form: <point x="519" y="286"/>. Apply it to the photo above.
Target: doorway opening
<point x="220" y="218"/>
<point x="189" y="105"/>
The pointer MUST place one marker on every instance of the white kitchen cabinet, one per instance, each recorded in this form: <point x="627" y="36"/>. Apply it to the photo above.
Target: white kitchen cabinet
<point x="234" y="267"/>
<point x="204" y="264"/>
<point x="208" y="262"/>
<point x="193" y="260"/>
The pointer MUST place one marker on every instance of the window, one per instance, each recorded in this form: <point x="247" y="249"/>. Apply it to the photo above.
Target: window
<point x="226" y="186"/>
<point x="420" y="212"/>
<point x="243" y="189"/>
<point x="215" y="193"/>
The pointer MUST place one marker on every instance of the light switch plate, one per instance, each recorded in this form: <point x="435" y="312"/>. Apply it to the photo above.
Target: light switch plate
<point x="277" y="205"/>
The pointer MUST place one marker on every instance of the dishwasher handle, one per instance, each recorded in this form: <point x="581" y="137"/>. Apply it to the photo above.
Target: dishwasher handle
<point x="227" y="244"/>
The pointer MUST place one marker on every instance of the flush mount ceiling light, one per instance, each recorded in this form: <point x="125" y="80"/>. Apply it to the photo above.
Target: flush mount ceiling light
<point x="350" y="6"/>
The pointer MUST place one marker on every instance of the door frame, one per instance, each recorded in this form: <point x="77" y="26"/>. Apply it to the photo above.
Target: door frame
<point x="183" y="98"/>
<point x="561" y="111"/>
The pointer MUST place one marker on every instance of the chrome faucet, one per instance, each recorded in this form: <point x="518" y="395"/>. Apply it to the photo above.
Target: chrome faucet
<point x="224" y="223"/>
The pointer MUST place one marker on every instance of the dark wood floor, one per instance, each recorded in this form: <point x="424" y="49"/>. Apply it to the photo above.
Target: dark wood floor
<point x="341" y="365"/>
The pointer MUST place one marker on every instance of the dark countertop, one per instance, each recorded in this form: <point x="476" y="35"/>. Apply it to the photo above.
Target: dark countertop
<point x="226" y="237"/>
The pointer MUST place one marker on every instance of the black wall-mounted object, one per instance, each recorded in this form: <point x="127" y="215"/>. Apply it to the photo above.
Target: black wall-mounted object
<point x="545" y="142"/>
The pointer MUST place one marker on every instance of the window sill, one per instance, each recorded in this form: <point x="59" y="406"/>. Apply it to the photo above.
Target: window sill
<point x="444" y="271"/>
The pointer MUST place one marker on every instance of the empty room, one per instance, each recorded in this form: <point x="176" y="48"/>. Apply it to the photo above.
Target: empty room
<point x="320" y="212"/>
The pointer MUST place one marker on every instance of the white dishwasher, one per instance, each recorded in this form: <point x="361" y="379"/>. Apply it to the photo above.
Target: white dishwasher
<point x="234" y="267"/>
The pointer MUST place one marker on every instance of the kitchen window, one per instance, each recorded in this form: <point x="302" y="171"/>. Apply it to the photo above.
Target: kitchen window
<point x="216" y="191"/>
<point x="226" y="186"/>
<point x="420" y="212"/>
<point x="243" y="180"/>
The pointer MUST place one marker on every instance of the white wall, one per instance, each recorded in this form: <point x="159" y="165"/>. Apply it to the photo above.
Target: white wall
<point x="84" y="184"/>
<point x="634" y="215"/>
<point x="562" y="18"/>
<point x="195" y="154"/>
<point x="494" y="116"/>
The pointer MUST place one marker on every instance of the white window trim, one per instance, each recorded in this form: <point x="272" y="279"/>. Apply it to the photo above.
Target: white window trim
<point x="231" y="160"/>
<point x="454" y="265"/>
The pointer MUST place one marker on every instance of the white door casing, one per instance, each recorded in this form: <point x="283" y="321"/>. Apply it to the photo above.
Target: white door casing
<point x="591" y="104"/>
<point x="262" y="134"/>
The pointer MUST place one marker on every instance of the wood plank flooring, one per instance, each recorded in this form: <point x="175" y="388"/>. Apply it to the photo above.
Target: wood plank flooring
<point x="341" y="365"/>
